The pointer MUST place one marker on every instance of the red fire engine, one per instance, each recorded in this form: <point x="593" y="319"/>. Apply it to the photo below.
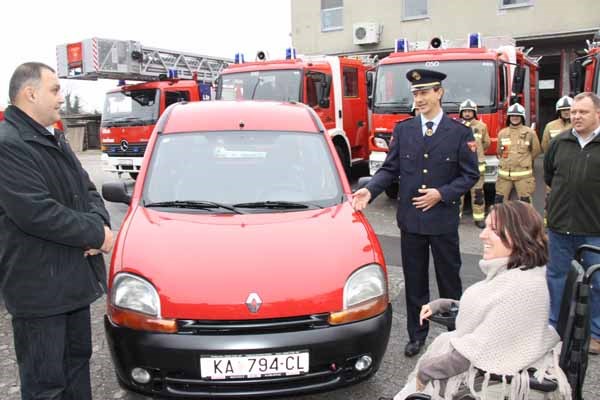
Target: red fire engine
<point x="131" y="111"/>
<point x="335" y="87"/>
<point x="585" y="70"/>
<point x="494" y="77"/>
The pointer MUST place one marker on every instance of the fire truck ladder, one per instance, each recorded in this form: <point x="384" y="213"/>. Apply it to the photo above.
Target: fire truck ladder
<point x="96" y="58"/>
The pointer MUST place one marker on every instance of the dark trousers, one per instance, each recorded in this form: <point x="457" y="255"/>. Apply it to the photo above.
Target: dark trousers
<point x="53" y="354"/>
<point x="415" y="264"/>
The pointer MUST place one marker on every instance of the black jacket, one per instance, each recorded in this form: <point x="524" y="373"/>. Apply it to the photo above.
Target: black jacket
<point x="446" y="162"/>
<point x="50" y="212"/>
<point x="573" y="174"/>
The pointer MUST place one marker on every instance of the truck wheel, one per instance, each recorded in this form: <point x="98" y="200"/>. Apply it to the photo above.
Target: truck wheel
<point x="344" y="158"/>
<point x="392" y="191"/>
<point x="133" y="175"/>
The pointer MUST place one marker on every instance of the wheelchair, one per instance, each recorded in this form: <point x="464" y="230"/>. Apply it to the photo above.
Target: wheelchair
<point x="573" y="327"/>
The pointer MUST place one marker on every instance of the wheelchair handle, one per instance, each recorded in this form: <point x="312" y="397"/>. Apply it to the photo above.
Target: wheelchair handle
<point x="590" y="272"/>
<point x="586" y="247"/>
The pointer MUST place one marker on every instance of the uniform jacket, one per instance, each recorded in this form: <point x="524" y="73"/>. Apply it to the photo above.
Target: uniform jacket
<point x="552" y="130"/>
<point x="447" y="162"/>
<point x="573" y="175"/>
<point x="517" y="148"/>
<point x="50" y="212"/>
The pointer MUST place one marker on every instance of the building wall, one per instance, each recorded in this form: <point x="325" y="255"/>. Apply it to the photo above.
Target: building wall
<point x="452" y="19"/>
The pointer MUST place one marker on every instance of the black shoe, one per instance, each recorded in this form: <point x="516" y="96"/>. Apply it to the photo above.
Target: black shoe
<point x="413" y="348"/>
<point x="480" y="224"/>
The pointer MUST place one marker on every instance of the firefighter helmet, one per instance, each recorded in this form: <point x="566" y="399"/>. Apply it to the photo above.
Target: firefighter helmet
<point x="516" y="109"/>
<point x="468" y="104"/>
<point x="564" y="103"/>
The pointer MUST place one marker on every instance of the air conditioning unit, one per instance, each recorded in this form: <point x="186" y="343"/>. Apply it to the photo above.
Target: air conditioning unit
<point x="366" y="32"/>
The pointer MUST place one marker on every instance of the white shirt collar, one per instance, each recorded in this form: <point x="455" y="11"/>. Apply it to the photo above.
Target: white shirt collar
<point x="436" y="120"/>
<point x="50" y="129"/>
<point x="584" y="141"/>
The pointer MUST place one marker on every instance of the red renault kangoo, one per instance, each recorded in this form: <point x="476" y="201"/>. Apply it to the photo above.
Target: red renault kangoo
<point x="241" y="269"/>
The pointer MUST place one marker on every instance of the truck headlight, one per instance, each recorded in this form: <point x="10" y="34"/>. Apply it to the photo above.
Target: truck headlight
<point x="365" y="295"/>
<point x="381" y="143"/>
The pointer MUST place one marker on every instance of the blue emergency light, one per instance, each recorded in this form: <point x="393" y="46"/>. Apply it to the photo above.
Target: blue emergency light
<point x="121" y="82"/>
<point x="290" y="53"/>
<point x="401" y="45"/>
<point x="474" y="40"/>
<point x="239" y="58"/>
<point x="172" y="73"/>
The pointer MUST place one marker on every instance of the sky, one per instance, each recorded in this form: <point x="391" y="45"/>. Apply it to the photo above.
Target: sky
<point x="30" y="31"/>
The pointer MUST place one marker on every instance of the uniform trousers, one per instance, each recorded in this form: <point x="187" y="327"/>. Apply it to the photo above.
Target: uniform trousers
<point x="525" y="188"/>
<point x="415" y="265"/>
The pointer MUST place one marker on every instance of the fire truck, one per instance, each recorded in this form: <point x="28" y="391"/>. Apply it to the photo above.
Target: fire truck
<point x="132" y="110"/>
<point x="585" y="70"/>
<point x="335" y="87"/>
<point x="494" y="76"/>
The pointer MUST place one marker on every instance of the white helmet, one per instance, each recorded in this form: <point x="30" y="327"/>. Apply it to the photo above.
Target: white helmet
<point x="564" y="103"/>
<point x="516" y="109"/>
<point x="468" y="104"/>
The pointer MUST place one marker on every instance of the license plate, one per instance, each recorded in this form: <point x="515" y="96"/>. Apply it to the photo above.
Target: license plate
<point x="125" y="162"/>
<point x="254" y="366"/>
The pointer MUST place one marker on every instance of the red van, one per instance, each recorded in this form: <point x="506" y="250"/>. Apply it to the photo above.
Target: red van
<point x="241" y="269"/>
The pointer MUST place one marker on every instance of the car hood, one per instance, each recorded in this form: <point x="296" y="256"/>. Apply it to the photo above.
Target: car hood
<point x="206" y="266"/>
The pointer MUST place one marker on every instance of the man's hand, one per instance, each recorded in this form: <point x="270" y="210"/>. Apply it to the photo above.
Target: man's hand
<point x="360" y="199"/>
<point x="108" y="240"/>
<point x="429" y="199"/>
<point x="91" y="252"/>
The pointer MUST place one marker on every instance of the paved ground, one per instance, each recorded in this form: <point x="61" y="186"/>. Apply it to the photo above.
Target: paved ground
<point x="395" y="367"/>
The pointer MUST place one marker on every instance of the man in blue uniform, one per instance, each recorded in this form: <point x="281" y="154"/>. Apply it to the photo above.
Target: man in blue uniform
<point x="435" y="160"/>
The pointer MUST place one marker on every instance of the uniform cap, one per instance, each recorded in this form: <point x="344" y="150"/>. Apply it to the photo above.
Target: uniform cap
<point x="424" y="78"/>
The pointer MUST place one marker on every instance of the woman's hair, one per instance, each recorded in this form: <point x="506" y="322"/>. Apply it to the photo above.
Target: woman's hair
<point x="521" y="228"/>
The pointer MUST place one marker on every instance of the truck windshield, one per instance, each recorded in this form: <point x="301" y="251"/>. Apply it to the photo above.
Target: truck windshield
<point x="473" y="79"/>
<point x="278" y="85"/>
<point x="134" y="107"/>
<point x="252" y="170"/>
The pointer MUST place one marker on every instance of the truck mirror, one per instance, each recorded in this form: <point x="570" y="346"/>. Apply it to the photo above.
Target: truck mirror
<point x="518" y="80"/>
<point x="370" y="75"/>
<point x="576" y="77"/>
<point x="324" y="95"/>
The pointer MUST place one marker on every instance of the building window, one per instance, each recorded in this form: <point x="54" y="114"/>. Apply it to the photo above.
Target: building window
<point x="332" y="15"/>
<point x="515" y="3"/>
<point x="415" y="9"/>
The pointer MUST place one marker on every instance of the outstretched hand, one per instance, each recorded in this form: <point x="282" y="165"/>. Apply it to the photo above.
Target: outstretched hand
<point x="360" y="199"/>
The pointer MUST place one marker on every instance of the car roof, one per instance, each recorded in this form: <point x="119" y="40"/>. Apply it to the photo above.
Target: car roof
<point x="247" y="115"/>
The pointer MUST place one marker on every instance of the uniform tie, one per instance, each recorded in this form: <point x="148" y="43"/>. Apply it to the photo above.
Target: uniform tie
<point x="429" y="131"/>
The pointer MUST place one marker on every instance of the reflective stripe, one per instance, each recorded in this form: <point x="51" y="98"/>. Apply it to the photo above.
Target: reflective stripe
<point x="481" y="167"/>
<point x="503" y="172"/>
<point x="478" y="217"/>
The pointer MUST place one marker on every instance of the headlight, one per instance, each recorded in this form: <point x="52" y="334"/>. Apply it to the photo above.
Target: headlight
<point x="365" y="296"/>
<point x="136" y="294"/>
<point x="365" y="284"/>
<point x="380" y="142"/>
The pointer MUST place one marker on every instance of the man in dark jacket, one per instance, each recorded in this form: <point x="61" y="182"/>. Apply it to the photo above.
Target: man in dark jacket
<point x="572" y="171"/>
<point x="434" y="159"/>
<point x="53" y="228"/>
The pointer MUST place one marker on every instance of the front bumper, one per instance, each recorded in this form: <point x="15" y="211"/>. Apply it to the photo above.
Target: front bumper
<point x="121" y="164"/>
<point x="174" y="359"/>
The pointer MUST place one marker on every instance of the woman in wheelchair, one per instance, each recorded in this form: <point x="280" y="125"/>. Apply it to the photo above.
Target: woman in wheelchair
<point x="502" y="325"/>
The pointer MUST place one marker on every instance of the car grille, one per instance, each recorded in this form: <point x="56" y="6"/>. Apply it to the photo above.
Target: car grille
<point x="133" y="150"/>
<point x="277" y="325"/>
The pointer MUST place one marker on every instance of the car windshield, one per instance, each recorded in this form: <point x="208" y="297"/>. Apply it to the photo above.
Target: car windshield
<point x="254" y="171"/>
<point x="277" y="85"/>
<point x="134" y="107"/>
<point x="473" y="79"/>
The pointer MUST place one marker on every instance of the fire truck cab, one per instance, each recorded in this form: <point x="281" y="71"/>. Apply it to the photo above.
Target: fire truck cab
<point x="494" y="77"/>
<point x="334" y="87"/>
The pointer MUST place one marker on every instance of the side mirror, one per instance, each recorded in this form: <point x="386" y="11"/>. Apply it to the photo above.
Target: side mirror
<point x="324" y="95"/>
<point x="576" y="74"/>
<point x="116" y="192"/>
<point x="370" y="80"/>
<point x="518" y="80"/>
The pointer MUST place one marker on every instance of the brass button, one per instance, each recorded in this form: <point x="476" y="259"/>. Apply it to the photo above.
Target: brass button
<point x="426" y="155"/>
<point x="424" y="171"/>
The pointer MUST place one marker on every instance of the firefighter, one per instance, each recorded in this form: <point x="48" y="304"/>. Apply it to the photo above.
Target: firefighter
<point x="518" y="146"/>
<point x="468" y="116"/>
<point x="560" y="124"/>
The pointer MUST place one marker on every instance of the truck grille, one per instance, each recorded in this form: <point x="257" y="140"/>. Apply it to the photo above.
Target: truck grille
<point x="277" y="325"/>
<point x="129" y="150"/>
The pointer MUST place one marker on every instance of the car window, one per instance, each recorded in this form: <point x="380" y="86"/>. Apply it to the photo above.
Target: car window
<point x="239" y="167"/>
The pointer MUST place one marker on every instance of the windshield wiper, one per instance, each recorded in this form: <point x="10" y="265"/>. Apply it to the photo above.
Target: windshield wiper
<point x="277" y="205"/>
<point x="197" y="204"/>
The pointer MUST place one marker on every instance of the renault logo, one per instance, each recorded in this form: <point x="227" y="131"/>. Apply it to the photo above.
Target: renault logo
<point x="253" y="302"/>
<point x="124" y="145"/>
